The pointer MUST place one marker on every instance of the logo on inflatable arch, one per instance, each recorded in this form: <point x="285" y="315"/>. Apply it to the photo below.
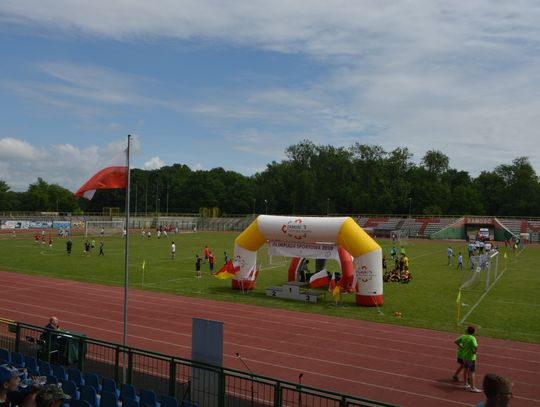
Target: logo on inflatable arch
<point x="239" y="261"/>
<point x="364" y="274"/>
<point x="295" y="229"/>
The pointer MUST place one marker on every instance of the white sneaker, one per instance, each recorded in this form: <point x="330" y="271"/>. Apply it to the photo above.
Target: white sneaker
<point x="475" y="390"/>
<point x="467" y="387"/>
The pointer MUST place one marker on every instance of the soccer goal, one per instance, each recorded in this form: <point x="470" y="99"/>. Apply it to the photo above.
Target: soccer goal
<point x="104" y="227"/>
<point x="482" y="272"/>
<point x="400" y="237"/>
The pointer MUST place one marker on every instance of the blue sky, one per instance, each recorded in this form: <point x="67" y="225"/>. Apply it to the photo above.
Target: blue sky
<point x="212" y="83"/>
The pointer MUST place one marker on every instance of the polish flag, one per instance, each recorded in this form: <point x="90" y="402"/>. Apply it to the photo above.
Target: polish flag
<point x="319" y="279"/>
<point x="354" y="285"/>
<point x="113" y="176"/>
<point x="332" y="284"/>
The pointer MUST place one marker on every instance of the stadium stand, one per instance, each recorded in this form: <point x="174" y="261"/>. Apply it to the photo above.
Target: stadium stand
<point x="174" y="379"/>
<point x="513" y="225"/>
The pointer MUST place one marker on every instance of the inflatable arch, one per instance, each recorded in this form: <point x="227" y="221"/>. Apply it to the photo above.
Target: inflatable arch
<point x="298" y="235"/>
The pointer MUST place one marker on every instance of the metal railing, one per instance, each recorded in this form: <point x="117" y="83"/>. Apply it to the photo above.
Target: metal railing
<point x="207" y="385"/>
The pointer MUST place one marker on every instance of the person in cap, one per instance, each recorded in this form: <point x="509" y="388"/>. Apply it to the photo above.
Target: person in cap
<point x="10" y="396"/>
<point x="51" y="396"/>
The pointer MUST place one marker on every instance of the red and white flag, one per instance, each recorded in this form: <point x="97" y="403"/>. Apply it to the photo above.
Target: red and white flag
<point x="354" y="284"/>
<point x="113" y="176"/>
<point x="332" y="284"/>
<point x="319" y="279"/>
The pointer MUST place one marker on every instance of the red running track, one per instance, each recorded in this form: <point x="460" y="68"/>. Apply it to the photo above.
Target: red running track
<point x="395" y="364"/>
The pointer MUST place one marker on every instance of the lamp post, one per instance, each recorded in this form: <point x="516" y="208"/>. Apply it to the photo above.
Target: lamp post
<point x="327" y="206"/>
<point x="146" y="200"/>
<point x="157" y="199"/>
<point x="266" y="206"/>
<point x="136" y="187"/>
<point x="409" y="229"/>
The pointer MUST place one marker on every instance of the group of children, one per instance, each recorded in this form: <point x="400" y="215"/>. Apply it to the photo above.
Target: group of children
<point x="400" y="273"/>
<point x="89" y="247"/>
<point x="208" y="258"/>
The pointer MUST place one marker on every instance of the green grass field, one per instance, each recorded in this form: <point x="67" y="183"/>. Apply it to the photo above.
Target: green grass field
<point x="510" y="310"/>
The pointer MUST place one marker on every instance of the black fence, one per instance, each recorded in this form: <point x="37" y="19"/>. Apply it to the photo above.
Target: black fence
<point x="184" y="379"/>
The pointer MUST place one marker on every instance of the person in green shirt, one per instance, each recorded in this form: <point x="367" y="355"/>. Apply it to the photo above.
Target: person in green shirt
<point x="467" y="347"/>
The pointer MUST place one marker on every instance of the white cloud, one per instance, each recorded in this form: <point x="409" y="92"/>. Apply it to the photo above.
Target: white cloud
<point x="462" y="77"/>
<point x="154" y="163"/>
<point x="14" y="149"/>
<point x="65" y="164"/>
<point x="197" y="167"/>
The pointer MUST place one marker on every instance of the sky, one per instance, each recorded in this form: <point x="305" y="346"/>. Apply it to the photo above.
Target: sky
<point x="232" y="84"/>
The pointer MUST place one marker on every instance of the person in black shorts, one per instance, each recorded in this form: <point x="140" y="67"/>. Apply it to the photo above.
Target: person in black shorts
<point x="198" y="266"/>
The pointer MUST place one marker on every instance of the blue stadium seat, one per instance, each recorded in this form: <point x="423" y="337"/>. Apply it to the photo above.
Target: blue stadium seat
<point x="44" y="368"/>
<point x="59" y="372"/>
<point x="129" y="402"/>
<point x="75" y="375"/>
<point x="88" y="394"/>
<point x="5" y="355"/>
<point x="78" y="403"/>
<point x="128" y="391"/>
<point x="168" y="401"/>
<point x="17" y="359"/>
<point x="30" y="362"/>
<point x="32" y="372"/>
<point x="108" y="399"/>
<point x="51" y="379"/>
<point x="148" y="398"/>
<point x="110" y="386"/>
<point x="70" y="388"/>
<point x="92" y="379"/>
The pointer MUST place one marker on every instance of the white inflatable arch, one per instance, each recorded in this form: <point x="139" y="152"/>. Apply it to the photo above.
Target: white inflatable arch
<point x="301" y="232"/>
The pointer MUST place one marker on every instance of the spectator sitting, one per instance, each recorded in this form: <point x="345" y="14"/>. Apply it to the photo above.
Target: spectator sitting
<point x="51" y="396"/>
<point x="10" y="396"/>
<point x="406" y="277"/>
<point x="498" y="391"/>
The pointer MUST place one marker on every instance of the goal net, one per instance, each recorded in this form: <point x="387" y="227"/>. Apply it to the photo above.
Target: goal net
<point x="104" y="228"/>
<point x="399" y="237"/>
<point x="482" y="272"/>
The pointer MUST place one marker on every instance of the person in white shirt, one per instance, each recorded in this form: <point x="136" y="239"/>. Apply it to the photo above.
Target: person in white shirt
<point x="173" y="250"/>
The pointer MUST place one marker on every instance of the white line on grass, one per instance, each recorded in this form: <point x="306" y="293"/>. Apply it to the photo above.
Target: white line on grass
<point x="526" y="304"/>
<point x="483" y="296"/>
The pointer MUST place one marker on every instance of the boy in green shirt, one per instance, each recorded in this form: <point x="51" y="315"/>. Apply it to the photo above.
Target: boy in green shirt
<point x="467" y="347"/>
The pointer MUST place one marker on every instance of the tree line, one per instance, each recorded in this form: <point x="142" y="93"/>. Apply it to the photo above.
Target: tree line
<point x="312" y="179"/>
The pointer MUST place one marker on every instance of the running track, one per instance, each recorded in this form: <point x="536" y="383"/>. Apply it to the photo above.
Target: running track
<point x="406" y="366"/>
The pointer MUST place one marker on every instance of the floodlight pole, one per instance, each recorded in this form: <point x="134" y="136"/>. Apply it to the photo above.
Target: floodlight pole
<point x="409" y="229"/>
<point x="126" y="262"/>
<point x="136" y="188"/>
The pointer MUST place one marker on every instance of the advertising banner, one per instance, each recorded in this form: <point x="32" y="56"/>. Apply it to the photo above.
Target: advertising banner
<point x="305" y="250"/>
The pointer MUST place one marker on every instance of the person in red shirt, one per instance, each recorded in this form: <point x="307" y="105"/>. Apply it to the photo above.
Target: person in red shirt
<point x="211" y="260"/>
<point x="206" y="253"/>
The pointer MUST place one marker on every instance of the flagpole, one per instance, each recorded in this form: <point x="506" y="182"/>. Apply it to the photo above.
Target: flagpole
<point x="126" y="258"/>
